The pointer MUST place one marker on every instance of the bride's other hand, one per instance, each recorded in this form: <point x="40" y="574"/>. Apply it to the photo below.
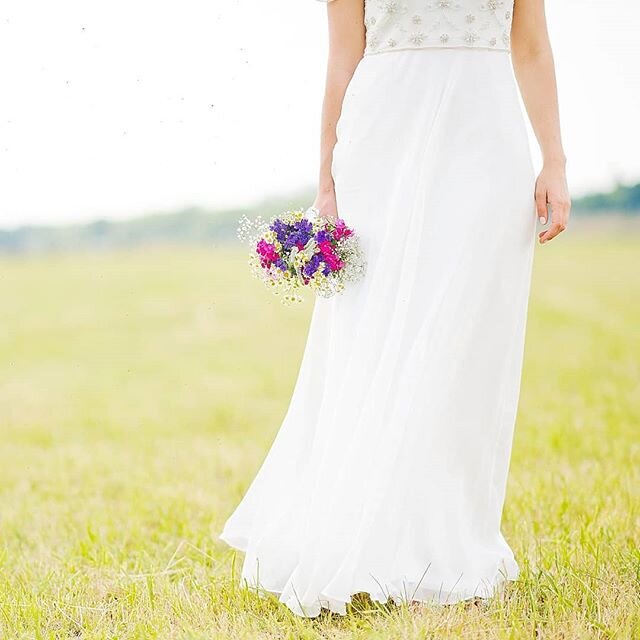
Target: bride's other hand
<point x="551" y="189"/>
<point x="326" y="205"/>
<point x="535" y="72"/>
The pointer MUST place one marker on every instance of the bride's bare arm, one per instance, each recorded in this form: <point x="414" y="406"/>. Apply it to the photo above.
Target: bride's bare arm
<point x="346" y="47"/>
<point x="534" y="68"/>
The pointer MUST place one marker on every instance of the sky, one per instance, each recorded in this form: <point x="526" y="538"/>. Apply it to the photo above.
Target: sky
<point x="113" y="109"/>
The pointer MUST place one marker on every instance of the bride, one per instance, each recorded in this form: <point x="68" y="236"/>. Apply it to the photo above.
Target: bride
<point x="388" y="474"/>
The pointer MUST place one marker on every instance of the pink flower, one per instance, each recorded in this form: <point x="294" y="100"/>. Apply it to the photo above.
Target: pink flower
<point x="267" y="252"/>
<point x="329" y="256"/>
<point x="341" y="230"/>
<point x="325" y="248"/>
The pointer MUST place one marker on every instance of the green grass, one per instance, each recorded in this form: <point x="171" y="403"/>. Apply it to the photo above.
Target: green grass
<point x="138" y="395"/>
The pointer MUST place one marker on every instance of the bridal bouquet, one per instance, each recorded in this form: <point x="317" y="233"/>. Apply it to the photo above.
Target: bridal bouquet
<point x="301" y="249"/>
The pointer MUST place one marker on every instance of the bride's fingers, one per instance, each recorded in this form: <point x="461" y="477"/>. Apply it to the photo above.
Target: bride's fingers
<point x="555" y="229"/>
<point x="541" y="205"/>
<point x="559" y="216"/>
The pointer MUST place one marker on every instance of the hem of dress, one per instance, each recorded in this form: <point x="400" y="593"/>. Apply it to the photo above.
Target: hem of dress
<point x="437" y="46"/>
<point x="338" y="603"/>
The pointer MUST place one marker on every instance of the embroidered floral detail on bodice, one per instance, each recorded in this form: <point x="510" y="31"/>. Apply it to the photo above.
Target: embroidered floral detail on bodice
<point x="418" y="24"/>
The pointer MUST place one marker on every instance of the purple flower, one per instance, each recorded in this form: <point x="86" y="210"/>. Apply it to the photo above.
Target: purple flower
<point x="297" y="239"/>
<point x="323" y="236"/>
<point x="304" y="226"/>
<point x="281" y="230"/>
<point x="312" y="266"/>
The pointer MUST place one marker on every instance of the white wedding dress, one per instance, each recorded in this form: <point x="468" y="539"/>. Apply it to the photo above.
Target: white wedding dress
<point x="388" y="474"/>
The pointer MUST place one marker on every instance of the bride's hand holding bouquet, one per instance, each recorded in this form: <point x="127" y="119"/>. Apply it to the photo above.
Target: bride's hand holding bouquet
<point x="325" y="203"/>
<point x="296" y="249"/>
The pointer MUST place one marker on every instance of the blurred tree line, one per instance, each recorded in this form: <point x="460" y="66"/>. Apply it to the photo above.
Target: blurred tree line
<point x="190" y="226"/>
<point x="623" y="199"/>
<point x="198" y="226"/>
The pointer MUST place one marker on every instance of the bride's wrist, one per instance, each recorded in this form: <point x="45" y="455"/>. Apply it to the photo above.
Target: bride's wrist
<point x="555" y="161"/>
<point x="326" y="186"/>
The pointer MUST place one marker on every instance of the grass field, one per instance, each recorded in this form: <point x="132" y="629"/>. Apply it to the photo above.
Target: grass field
<point x="139" y="393"/>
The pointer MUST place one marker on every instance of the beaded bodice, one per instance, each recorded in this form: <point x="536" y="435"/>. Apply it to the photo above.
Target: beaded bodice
<point x="418" y="24"/>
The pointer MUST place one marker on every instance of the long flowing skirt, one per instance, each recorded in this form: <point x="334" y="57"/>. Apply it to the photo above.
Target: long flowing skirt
<point x="388" y="474"/>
